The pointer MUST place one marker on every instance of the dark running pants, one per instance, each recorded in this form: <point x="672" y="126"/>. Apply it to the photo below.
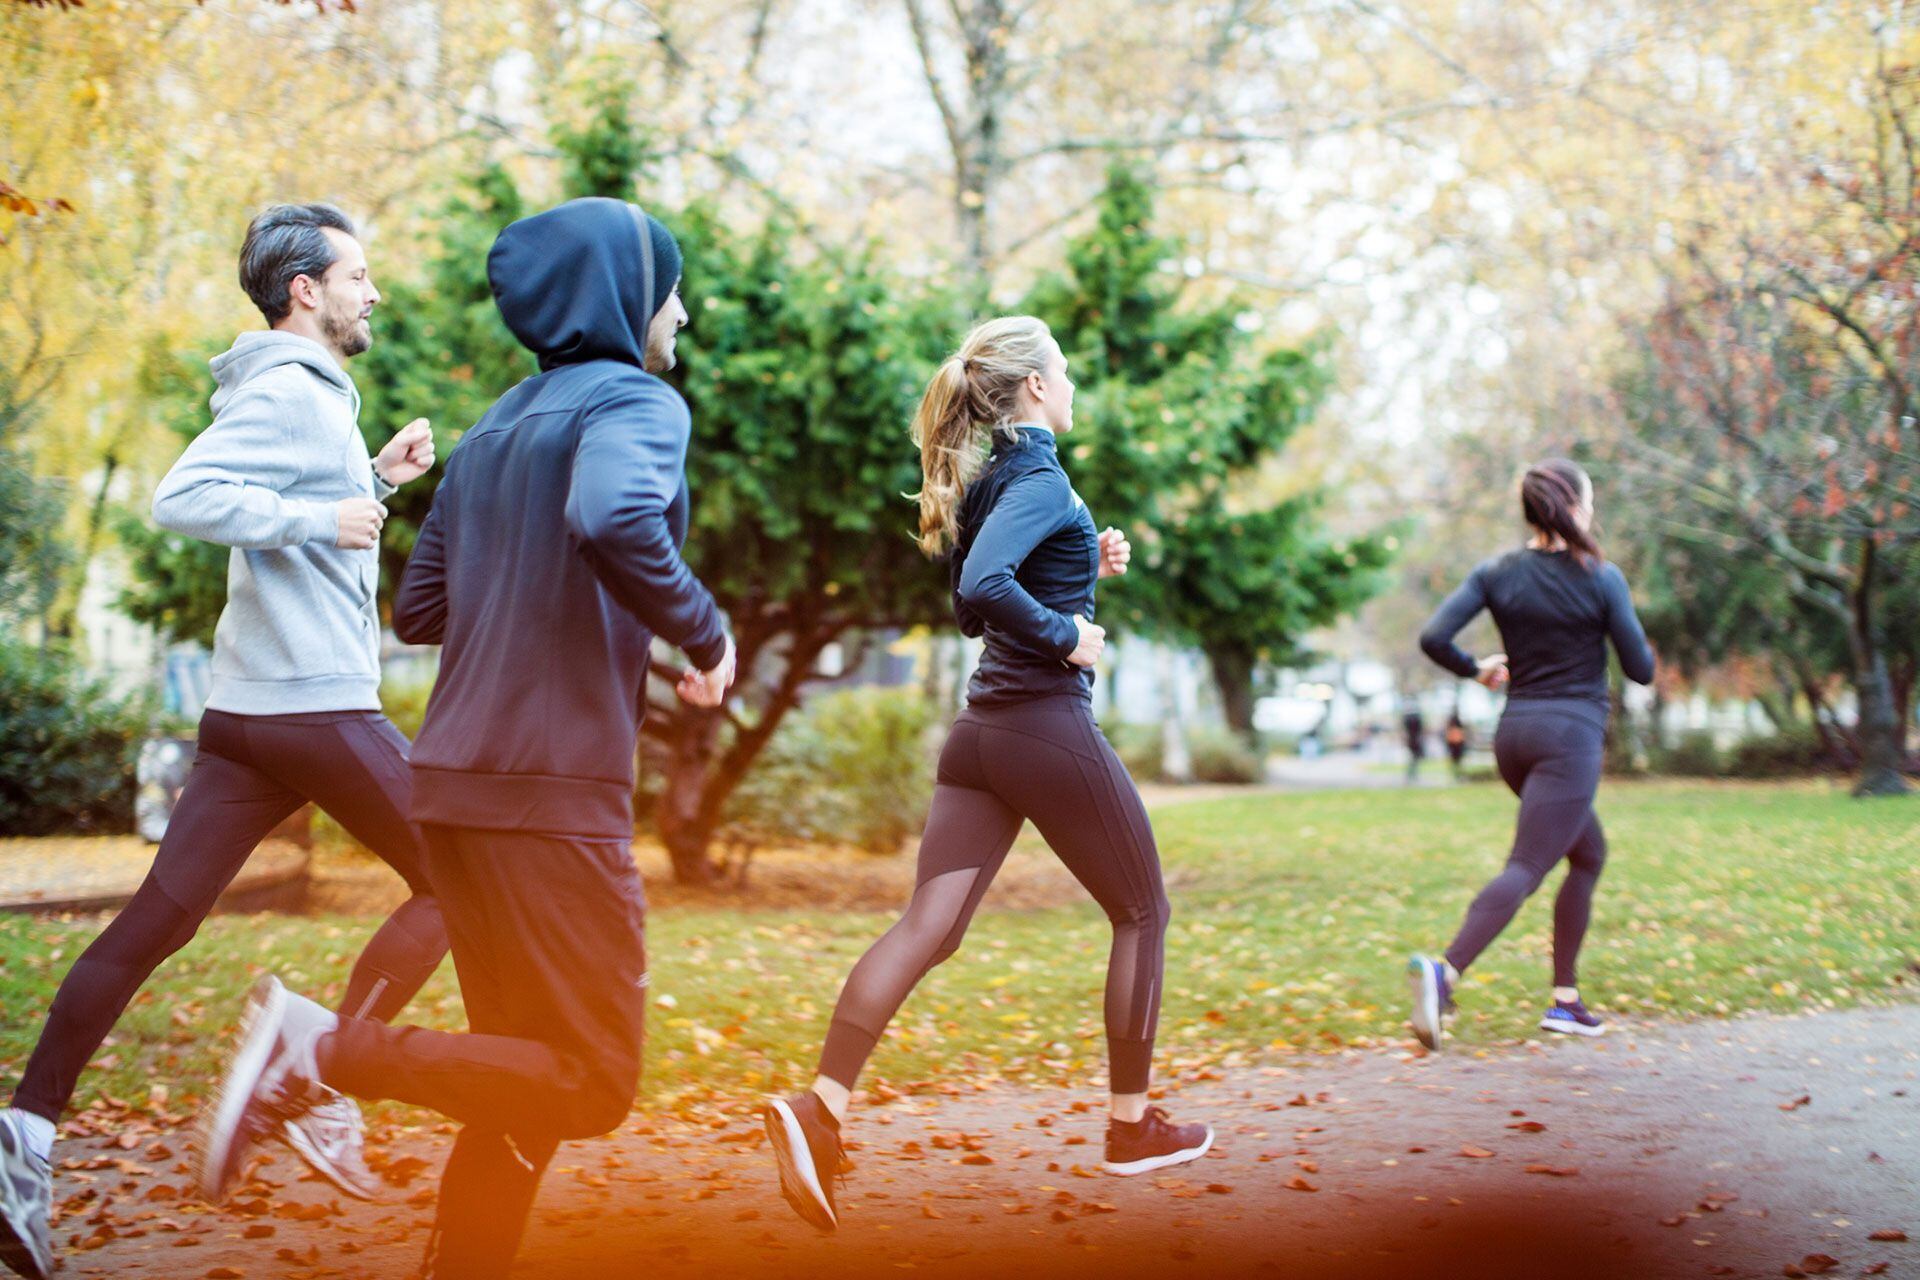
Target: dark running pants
<point x="1550" y="755"/>
<point x="1043" y="761"/>
<point x="249" y="775"/>
<point x="549" y="941"/>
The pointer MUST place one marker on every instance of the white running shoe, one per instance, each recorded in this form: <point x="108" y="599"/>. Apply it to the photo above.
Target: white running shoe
<point x="271" y="1078"/>
<point x="26" y="1204"/>
<point x="331" y="1137"/>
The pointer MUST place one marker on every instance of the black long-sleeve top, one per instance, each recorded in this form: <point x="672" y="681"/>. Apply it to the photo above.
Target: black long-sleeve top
<point x="1555" y="617"/>
<point x="1023" y="566"/>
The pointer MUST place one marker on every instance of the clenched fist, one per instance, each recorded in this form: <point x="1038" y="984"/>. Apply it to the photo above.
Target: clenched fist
<point x="1093" y="639"/>
<point x="409" y="455"/>
<point x="359" y="520"/>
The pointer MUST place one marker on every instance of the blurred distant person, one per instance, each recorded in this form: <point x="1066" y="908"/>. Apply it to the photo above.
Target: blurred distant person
<point x="1557" y="602"/>
<point x="1414" y="726"/>
<point x="1456" y="740"/>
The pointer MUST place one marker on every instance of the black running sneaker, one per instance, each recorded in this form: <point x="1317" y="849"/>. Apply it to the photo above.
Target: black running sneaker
<point x="1153" y="1142"/>
<point x="26" y="1204"/>
<point x="806" y="1142"/>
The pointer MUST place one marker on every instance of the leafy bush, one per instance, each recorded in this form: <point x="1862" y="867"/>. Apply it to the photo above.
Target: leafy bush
<point x="1693" y="756"/>
<point x="1223" y="756"/>
<point x="1141" y="748"/>
<point x="68" y="745"/>
<point x="852" y="767"/>
<point x="1782" y="755"/>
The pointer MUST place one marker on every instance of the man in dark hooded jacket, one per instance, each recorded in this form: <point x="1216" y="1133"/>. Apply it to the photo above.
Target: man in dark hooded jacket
<point x="548" y="564"/>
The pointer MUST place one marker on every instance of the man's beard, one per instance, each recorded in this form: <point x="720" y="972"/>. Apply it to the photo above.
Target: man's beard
<point x="346" y="332"/>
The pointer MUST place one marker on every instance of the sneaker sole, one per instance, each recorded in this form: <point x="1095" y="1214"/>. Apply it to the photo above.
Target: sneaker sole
<point x="16" y="1247"/>
<point x="1572" y="1028"/>
<point x="1426" y="1004"/>
<point x="259" y="1028"/>
<point x="1148" y="1165"/>
<point x="798" y="1181"/>
<point x="296" y="1140"/>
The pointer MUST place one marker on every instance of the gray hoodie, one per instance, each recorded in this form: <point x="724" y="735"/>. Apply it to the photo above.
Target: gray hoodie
<point x="300" y="631"/>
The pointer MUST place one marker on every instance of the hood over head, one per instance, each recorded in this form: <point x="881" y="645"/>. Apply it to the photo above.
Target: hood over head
<point x="258" y="350"/>
<point x="582" y="281"/>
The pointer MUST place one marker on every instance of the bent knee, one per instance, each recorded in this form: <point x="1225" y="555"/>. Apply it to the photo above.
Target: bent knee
<point x="597" y="1107"/>
<point x="1152" y="914"/>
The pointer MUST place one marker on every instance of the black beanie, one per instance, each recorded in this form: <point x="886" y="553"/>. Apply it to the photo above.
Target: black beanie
<point x="666" y="263"/>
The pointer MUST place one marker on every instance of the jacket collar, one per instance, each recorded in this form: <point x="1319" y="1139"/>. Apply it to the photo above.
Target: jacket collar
<point x="1028" y="433"/>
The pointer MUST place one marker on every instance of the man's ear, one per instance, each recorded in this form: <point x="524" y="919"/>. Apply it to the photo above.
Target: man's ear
<point x="304" y="290"/>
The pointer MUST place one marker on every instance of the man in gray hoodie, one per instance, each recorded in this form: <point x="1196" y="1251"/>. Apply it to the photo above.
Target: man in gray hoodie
<point x="283" y="476"/>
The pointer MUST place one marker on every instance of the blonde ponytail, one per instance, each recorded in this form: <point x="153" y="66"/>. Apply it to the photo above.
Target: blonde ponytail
<point x="972" y="394"/>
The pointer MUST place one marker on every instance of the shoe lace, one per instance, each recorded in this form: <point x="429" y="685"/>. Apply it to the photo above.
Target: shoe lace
<point x="293" y="1100"/>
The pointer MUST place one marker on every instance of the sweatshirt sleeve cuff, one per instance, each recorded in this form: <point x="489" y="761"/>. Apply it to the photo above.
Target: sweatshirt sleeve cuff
<point x="322" y="522"/>
<point x="1069" y="638"/>
<point x="382" y="488"/>
<point x="708" y="650"/>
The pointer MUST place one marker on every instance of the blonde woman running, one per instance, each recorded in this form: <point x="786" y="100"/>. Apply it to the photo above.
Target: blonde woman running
<point x="1024" y="555"/>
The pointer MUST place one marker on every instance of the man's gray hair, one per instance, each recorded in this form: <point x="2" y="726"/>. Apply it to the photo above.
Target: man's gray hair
<point x="282" y="242"/>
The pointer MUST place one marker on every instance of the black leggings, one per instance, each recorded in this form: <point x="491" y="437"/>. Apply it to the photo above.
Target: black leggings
<point x="250" y="774"/>
<point x="1047" y="761"/>
<point x="1550" y="754"/>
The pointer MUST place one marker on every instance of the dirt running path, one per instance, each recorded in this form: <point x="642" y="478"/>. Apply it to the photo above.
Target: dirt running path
<point x="1759" y="1147"/>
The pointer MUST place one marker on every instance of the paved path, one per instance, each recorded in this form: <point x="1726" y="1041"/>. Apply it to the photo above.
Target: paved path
<point x="98" y="873"/>
<point x="1758" y="1147"/>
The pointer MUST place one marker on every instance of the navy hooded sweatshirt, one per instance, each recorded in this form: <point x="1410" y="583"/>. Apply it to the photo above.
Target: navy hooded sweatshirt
<point x="551" y="557"/>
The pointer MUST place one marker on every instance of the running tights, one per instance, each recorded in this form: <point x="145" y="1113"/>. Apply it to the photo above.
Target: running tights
<point x="1550" y="755"/>
<point x="250" y="774"/>
<point x="1047" y="761"/>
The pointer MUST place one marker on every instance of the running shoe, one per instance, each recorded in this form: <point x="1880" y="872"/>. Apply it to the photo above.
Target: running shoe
<point x="26" y="1204"/>
<point x="271" y="1079"/>
<point x="1432" y="999"/>
<point x="1153" y="1142"/>
<point x="806" y="1143"/>
<point x="1571" y="1017"/>
<point x="331" y="1137"/>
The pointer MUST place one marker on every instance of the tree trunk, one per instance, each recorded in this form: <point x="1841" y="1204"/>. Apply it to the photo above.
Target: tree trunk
<point x="1882" y="744"/>
<point x="1882" y="758"/>
<point x="1233" y="676"/>
<point x="1902" y="675"/>
<point x="686" y="828"/>
<point x="702" y="773"/>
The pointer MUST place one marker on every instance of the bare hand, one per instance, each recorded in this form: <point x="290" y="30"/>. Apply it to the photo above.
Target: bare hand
<point x="1115" y="552"/>
<point x="359" y="521"/>
<point x="1093" y="639"/>
<point x="708" y="688"/>
<point x="1493" y="671"/>
<point x="409" y="455"/>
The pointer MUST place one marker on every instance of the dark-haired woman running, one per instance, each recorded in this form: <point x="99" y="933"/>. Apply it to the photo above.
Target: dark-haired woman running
<point x="1557" y="602"/>
<point x="1024" y="555"/>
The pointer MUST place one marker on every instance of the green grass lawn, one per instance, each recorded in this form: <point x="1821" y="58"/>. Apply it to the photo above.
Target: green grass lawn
<point x="1293" y="917"/>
